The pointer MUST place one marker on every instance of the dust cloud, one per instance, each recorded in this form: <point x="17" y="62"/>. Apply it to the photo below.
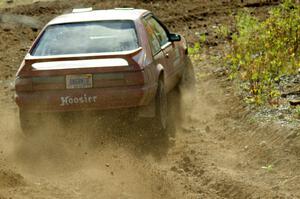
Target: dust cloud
<point x="83" y="150"/>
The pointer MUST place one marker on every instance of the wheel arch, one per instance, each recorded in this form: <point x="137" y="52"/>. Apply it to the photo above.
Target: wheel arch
<point x="160" y="72"/>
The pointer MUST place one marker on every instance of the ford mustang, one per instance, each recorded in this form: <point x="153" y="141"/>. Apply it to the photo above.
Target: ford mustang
<point x="101" y="60"/>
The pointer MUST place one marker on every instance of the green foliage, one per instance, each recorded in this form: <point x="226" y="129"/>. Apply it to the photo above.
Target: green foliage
<point x="268" y="168"/>
<point x="263" y="51"/>
<point x="196" y="49"/>
<point x="202" y="38"/>
<point x="223" y="32"/>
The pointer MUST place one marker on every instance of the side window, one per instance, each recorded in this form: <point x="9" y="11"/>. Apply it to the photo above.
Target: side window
<point x="159" y="31"/>
<point x="155" y="45"/>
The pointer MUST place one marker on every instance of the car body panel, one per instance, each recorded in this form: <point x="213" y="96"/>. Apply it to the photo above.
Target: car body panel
<point x="86" y="99"/>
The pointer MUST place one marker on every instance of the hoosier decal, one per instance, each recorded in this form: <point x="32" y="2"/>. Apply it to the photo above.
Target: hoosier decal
<point x="68" y="100"/>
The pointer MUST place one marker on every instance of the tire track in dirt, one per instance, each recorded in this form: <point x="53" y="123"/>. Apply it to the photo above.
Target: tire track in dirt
<point x="223" y="153"/>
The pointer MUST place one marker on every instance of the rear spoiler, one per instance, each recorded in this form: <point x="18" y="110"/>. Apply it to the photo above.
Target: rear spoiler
<point x="130" y="56"/>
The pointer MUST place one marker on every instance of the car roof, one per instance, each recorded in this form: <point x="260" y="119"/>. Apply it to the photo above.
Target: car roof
<point x="98" y="15"/>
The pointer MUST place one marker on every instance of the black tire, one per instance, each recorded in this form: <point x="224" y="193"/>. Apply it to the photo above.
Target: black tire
<point x="161" y="103"/>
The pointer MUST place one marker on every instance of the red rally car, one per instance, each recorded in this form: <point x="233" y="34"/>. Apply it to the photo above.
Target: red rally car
<point x="101" y="60"/>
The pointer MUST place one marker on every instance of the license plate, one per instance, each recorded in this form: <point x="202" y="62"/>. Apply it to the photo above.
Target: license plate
<point x="79" y="81"/>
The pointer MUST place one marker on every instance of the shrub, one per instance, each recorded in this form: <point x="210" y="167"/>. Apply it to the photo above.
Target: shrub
<point x="263" y="51"/>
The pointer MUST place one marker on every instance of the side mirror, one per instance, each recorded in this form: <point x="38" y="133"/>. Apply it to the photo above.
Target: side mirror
<point x="174" y="37"/>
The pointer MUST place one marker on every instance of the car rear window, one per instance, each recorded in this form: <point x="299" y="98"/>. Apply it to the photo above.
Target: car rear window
<point x="87" y="37"/>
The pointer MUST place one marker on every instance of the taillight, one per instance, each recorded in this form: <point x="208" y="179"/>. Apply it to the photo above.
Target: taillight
<point x="23" y="84"/>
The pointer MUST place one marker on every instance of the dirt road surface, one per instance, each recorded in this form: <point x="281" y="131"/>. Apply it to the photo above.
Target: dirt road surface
<point x="218" y="149"/>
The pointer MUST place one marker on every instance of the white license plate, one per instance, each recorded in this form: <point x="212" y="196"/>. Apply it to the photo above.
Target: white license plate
<point x="79" y="81"/>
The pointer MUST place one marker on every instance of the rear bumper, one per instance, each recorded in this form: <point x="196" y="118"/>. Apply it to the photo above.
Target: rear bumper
<point x="86" y="99"/>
